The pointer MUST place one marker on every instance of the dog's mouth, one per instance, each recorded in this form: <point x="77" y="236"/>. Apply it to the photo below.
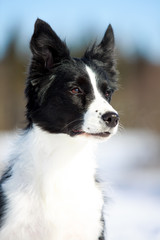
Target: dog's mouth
<point x="100" y="134"/>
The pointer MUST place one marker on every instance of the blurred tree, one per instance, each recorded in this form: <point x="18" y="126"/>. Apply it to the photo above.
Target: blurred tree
<point x="12" y="75"/>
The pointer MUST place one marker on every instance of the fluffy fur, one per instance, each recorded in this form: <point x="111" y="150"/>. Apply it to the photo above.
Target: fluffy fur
<point x="49" y="189"/>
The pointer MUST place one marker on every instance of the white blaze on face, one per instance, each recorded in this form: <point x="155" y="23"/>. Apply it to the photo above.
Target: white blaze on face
<point x="93" y="122"/>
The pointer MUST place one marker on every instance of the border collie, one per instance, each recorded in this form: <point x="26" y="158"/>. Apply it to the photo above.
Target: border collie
<point x="49" y="190"/>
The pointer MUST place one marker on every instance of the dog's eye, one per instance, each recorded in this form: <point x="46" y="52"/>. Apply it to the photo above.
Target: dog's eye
<point x="108" y="94"/>
<point x="76" y="91"/>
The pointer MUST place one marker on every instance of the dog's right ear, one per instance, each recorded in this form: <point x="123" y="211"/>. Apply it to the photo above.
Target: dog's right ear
<point x="47" y="48"/>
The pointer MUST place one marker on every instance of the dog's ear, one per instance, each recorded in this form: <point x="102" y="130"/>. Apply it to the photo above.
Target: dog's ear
<point x="108" y="39"/>
<point x="46" y="46"/>
<point x="103" y="53"/>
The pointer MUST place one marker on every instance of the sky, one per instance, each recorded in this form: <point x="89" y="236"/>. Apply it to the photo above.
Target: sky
<point x="136" y="23"/>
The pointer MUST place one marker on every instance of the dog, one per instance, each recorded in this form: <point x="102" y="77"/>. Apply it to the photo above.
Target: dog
<point x="49" y="189"/>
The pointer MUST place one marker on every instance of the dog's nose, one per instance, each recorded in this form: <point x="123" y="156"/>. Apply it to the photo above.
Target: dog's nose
<point x="111" y="119"/>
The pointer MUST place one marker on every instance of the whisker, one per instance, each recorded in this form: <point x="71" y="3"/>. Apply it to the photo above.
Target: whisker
<point x="68" y="124"/>
<point x="121" y="129"/>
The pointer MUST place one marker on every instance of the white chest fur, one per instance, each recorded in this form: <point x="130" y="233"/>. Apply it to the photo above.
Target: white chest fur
<point x="52" y="194"/>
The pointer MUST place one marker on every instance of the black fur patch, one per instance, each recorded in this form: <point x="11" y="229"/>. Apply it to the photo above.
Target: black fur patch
<point x="57" y="110"/>
<point x="3" y="198"/>
<point x="102" y="237"/>
<point x="7" y="174"/>
<point x="3" y="205"/>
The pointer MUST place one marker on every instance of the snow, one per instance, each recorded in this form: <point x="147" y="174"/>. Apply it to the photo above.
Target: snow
<point x="130" y="162"/>
<point x="6" y="139"/>
<point x="129" y="166"/>
<point x="135" y="216"/>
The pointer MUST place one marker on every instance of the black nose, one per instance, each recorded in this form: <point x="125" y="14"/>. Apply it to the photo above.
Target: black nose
<point x="111" y="119"/>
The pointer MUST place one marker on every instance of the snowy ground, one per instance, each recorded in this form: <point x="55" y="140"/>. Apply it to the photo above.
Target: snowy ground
<point x="130" y="166"/>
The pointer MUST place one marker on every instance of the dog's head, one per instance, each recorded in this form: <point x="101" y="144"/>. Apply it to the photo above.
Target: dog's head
<point x="69" y="95"/>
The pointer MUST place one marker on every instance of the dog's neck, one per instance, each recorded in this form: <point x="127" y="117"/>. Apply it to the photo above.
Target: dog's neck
<point x="58" y="158"/>
<point x="61" y="147"/>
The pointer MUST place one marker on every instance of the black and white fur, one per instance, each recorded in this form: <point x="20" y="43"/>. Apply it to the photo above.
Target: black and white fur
<point x="48" y="190"/>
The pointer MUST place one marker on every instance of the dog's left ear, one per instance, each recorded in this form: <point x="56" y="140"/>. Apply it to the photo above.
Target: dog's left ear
<point x="47" y="48"/>
<point x="103" y="53"/>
